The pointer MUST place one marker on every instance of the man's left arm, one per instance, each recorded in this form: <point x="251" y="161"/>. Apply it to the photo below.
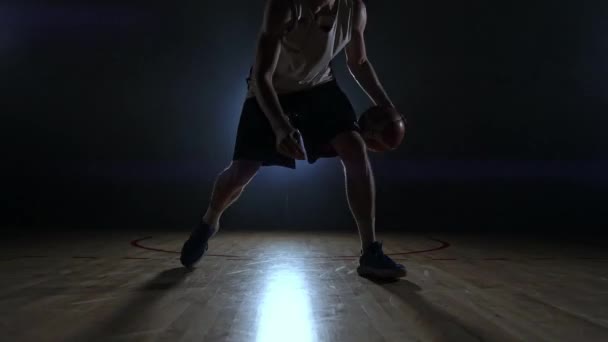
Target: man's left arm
<point x="358" y="63"/>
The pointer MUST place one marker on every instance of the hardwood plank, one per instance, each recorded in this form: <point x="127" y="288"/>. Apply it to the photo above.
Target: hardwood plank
<point x="300" y="286"/>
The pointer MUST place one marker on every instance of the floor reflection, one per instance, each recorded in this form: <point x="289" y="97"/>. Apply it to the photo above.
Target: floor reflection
<point x="285" y="313"/>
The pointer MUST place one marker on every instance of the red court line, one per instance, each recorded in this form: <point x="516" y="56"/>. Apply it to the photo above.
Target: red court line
<point x="84" y="257"/>
<point x="136" y="243"/>
<point x="135" y="258"/>
<point x="443" y="245"/>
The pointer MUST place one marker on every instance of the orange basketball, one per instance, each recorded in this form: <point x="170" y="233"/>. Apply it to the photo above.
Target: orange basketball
<point x="382" y="128"/>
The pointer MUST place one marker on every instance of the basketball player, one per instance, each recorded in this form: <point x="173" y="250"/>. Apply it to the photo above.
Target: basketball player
<point x="295" y="110"/>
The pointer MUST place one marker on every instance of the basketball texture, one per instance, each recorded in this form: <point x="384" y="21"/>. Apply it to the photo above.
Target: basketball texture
<point x="383" y="128"/>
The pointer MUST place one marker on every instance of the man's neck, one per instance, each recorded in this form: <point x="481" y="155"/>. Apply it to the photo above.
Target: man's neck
<point x="317" y="6"/>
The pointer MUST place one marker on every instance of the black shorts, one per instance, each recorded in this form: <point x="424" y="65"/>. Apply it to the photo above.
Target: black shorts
<point x="320" y="113"/>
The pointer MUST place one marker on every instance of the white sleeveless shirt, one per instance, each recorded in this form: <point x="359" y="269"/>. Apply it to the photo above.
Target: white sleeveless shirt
<point x="306" y="50"/>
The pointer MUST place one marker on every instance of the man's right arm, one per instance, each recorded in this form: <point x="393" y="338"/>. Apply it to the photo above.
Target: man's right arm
<point x="276" y="19"/>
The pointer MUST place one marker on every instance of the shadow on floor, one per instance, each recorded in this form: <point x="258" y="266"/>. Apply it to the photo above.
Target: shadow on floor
<point x="127" y="320"/>
<point x="428" y="320"/>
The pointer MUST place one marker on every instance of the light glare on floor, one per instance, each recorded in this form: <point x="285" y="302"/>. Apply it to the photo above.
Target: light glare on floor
<point x="285" y="313"/>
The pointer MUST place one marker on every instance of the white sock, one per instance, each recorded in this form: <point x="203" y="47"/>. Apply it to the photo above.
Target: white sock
<point x="212" y="219"/>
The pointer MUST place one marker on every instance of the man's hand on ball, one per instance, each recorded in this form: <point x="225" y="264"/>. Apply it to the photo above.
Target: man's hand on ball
<point x="391" y="107"/>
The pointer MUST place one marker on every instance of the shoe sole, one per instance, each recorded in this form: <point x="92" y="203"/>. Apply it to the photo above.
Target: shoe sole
<point x="370" y="272"/>
<point x="196" y="260"/>
<point x="190" y="265"/>
<point x="199" y="255"/>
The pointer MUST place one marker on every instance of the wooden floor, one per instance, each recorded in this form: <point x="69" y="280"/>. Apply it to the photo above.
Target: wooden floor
<point x="299" y="287"/>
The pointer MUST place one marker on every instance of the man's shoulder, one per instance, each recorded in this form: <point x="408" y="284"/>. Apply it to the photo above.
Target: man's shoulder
<point x="277" y="15"/>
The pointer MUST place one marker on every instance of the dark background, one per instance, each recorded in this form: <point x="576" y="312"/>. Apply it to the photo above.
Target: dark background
<point x="120" y="114"/>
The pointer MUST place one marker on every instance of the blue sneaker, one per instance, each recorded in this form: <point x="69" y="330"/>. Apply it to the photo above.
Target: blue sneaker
<point x="197" y="244"/>
<point x="373" y="263"/>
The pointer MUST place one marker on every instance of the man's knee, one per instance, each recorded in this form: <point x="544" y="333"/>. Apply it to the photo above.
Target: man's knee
<point x="240" y="172"/>
<point x="351" y="148"/>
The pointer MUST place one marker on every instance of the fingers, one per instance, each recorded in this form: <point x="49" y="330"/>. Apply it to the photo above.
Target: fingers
<point x="292" y="147"/>
<point x="284" y="150"/>
<point x="296" y="140"/>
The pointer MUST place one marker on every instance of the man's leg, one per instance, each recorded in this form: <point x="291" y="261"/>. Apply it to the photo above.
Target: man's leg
<point x="360" y="187"/>
<point x="228" y="187"/>
<point x="361" y="193"/>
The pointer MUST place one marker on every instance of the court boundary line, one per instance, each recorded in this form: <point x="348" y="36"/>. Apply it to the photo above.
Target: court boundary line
<point x="442" y="245"/>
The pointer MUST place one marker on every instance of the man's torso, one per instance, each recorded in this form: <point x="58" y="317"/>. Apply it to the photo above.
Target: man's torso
<point x="310" y="45"/>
